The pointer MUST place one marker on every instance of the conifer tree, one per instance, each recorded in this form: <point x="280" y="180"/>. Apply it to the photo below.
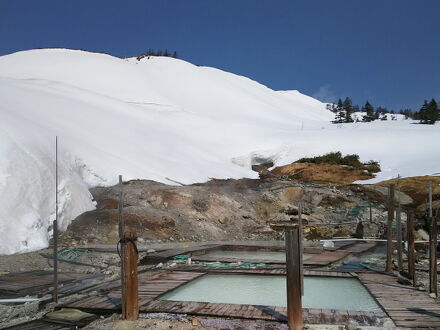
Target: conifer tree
<point x="429" y="112"/>
<point x="339" y="113"/>
<point x="369" y="112"/>
<point x="348" y="109"/>
<point x="423" y="113"/>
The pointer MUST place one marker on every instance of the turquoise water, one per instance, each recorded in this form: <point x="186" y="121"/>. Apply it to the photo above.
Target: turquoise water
<point x="319" y="292"/>
<point x="249" y="255"/>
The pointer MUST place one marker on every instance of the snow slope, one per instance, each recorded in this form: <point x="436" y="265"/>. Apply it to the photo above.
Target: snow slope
<point x="158" y="118"/>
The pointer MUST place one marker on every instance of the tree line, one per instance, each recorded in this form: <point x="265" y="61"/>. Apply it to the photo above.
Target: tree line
<point x="429" y="113"/>
<point x="159" y="52"/>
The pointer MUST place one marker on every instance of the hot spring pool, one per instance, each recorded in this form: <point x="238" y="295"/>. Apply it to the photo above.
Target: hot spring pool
<point x="268" y="290"/>
<point x="249" y="255"/>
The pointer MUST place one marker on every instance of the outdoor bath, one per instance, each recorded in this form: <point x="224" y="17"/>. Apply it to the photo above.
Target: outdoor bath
<point x="268" y="290"/>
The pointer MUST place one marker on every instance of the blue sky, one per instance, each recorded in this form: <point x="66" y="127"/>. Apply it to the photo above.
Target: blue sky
<point x="386" y="51"/>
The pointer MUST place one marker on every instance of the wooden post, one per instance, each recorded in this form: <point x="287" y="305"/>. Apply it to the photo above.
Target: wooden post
<point x="433" y="257"/>
<point x="389" y="262"/>
<point x="294" y="307"/>
<point x="432" y="246"/>
<point x="130" y="298"/>
<point x="121" y="236"/>
<point x="55" y="229"/>
<point x="411" y="251"/>
<point x="120" y="208"/>
<point x="399" y="239"/>
<point x="301" y="248"/>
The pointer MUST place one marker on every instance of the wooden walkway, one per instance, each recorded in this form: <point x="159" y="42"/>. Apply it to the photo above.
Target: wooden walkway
<point x="360" y="247"/>
<point x="325" y="258"/>
<point x="167" y="254"/>
<point x="204" y="258"/>
<point x="15" y="285"/>
<point x="150" y="287"/>
<point x="321" y="256"/>
<point x="257" y="312"/>
<point x="266" y="271"/>
<point x="406" y="306"/>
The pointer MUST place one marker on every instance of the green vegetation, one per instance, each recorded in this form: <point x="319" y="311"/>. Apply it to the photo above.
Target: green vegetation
<point x="336" y="158"/>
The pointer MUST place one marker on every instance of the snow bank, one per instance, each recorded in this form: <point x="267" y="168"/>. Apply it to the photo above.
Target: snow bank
<point x="158" y="118"/>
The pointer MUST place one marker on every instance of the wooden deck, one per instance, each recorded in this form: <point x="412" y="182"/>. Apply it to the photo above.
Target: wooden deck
<point x="325" y="258"/>
<point x="359" y="247"/>
<point x="37" y="283"/>
<point x="257" y="312"/>
<point x="167" y="254"/>
<point x="150" y="287"/>
<point x="267" y="271"/>
<point x="204" y="258"/>
<point x="406" y="306"/>
<point x="321" y="257"/>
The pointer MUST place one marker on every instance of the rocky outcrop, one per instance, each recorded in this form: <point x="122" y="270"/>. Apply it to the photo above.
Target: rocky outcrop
<point x="416" y="187"/>
<point x="221" y="210"/>
<point x="321" y="173"/>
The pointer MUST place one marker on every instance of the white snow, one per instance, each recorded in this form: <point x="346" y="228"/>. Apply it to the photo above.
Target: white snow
<point x="155" y="119"/>
<point x="358" y="116"/>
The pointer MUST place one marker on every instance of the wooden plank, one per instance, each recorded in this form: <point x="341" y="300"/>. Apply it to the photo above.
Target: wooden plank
<point x="406" y="306"/>
<point x="111" y="301"/>
<point x="254" y="312"/>
<point x="326" y="258"/>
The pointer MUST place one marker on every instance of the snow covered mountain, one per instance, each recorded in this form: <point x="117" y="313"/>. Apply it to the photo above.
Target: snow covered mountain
<point x="158" y="118"/>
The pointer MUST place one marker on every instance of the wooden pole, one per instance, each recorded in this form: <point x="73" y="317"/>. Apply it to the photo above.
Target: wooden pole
<point x="432" y="246"/>
<point x="411" y="248"/>
<point x="130" y="298"/>
<point x="301" y="248"/>
<point x="55" y="229"/>
<point x="121" y="225"/>
<point x="389" y="262"/>
<point x="399" y="239"/>
<point x="120" y="208"/>
<point x="294" y="278"/>
<point x="433" y="257"/>
<point x="294" y="308"/>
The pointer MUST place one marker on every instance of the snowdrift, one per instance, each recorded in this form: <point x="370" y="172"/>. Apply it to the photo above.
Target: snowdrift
<point x="161" y="119"/>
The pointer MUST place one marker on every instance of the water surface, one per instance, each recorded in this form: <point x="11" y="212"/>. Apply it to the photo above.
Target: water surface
<point x="319" y="292"/>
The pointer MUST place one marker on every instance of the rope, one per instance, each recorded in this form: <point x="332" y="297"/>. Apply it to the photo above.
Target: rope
<point x="71" y="254"/>
<point x="125" y="240"/>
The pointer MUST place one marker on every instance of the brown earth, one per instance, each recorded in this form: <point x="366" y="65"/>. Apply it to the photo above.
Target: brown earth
<point x="322" y="173"/>
<point x="417" y="188"/>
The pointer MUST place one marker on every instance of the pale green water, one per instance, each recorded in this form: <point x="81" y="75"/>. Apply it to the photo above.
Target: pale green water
<point x="319" y="292"/>
<point x="249" y="255"/>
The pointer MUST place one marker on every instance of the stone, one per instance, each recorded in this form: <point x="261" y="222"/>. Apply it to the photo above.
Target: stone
<point x="421" y="234"/>
<point x="351" y="325"/>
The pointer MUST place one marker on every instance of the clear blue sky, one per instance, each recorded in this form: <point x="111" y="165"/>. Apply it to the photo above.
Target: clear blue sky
<point x="386" y="51"/>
